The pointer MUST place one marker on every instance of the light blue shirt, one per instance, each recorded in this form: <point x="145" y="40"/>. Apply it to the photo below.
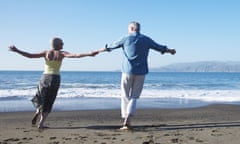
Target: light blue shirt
<point x="135" y="52"/>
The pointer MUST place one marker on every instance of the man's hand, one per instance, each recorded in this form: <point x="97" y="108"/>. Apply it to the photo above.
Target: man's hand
<point x="172" y="51"/>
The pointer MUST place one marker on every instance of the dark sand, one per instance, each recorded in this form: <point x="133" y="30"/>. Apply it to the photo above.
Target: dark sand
<point x="214" y="124"/>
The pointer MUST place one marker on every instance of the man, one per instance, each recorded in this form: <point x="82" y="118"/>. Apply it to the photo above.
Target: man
<point x="135" y="48"/>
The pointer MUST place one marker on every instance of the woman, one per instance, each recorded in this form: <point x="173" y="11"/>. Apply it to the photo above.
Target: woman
<point x="50" y="81"/>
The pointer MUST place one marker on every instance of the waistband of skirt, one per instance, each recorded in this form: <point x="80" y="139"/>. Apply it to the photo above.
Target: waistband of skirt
<point x="51" y="75"/>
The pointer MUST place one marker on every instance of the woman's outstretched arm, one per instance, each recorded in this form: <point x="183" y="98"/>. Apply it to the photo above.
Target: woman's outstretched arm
<point x="79" y="55"/>
<point x="26" y="54"/>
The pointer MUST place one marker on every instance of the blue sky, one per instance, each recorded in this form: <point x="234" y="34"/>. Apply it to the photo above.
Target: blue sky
<point x="200" y="30"/>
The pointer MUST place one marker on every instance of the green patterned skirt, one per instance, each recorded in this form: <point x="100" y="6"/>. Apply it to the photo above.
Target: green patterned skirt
<point x="46" y="92"/>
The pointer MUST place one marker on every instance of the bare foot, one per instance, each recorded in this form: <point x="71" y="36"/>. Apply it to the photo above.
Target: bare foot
<point x="43" y="127"/>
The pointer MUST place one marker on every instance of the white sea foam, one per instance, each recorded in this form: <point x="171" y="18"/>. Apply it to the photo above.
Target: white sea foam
<point x="204" y="95"/>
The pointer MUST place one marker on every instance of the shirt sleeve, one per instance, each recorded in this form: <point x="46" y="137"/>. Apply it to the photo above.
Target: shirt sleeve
<point x="117" y="44"/>
<point x="158" y="47"/>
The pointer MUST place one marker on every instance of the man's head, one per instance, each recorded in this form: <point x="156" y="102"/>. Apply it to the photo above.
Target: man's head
<point x="133" y="27"/>
<point x="57" y="43"/>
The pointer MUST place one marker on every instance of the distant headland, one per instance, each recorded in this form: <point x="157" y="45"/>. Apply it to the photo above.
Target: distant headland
<point x="202" y="66"/>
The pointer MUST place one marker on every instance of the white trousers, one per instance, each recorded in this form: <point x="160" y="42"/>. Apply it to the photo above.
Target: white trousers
<point x="131" y="88"/>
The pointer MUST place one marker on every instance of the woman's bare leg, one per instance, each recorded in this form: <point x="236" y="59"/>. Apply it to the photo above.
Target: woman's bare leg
<point x="35" y="117"/>
<point x="42" y="119"/>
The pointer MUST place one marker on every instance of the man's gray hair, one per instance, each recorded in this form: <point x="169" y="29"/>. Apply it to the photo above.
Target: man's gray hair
<point x="136" y="26"/>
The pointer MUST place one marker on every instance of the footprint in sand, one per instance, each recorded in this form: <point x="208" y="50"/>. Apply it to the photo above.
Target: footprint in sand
<point x="176" y="140"/>
<point x="11" y="140"/>
<point x="166" y="135"/>
<point x="52" y="138"/>
<point x="20" y="128"/>
<point x="25" y="138"/>
<point x="191" y="138"/>
<point x="148" y="142"/>
<point x="198" y="140"/>
<point x="83" y="137"/>
<point x="64" y="138"/>
<point x="216" y="133"/>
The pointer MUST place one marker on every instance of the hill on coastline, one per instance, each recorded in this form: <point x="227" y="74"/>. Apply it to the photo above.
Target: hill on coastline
<point x="205" y="66"/>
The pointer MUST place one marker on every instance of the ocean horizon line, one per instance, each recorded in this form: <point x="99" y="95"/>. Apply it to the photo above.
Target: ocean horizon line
<point x="113" y="71"/>
<point x="212" y="66"/>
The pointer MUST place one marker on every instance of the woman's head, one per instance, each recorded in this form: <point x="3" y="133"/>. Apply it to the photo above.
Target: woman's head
<point x="57" y="43"/>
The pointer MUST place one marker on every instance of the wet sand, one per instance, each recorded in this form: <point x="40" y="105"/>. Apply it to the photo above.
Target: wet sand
<point x="214" y="124"/>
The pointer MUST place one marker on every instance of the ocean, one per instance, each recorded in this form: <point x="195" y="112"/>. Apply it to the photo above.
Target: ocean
<point x="101" y="90"/>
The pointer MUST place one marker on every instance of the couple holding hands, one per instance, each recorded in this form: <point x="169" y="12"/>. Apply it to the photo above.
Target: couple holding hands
<point x="135" y="47"/>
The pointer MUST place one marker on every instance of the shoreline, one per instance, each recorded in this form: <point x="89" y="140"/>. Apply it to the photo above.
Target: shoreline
<point x="72" y="104"/>
<point x="212" y="124"/>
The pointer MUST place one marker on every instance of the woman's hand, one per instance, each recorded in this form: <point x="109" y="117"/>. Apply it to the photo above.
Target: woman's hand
<point x="13" y="48"/>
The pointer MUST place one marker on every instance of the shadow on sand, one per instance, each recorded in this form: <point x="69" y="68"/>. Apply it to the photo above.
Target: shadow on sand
<point x="159" y="127"/>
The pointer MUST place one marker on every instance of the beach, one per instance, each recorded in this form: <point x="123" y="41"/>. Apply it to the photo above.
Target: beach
<point x="213" y="124"/>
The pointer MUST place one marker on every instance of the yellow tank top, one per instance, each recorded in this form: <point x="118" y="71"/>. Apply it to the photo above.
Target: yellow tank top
<point x="52" y="67"/>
